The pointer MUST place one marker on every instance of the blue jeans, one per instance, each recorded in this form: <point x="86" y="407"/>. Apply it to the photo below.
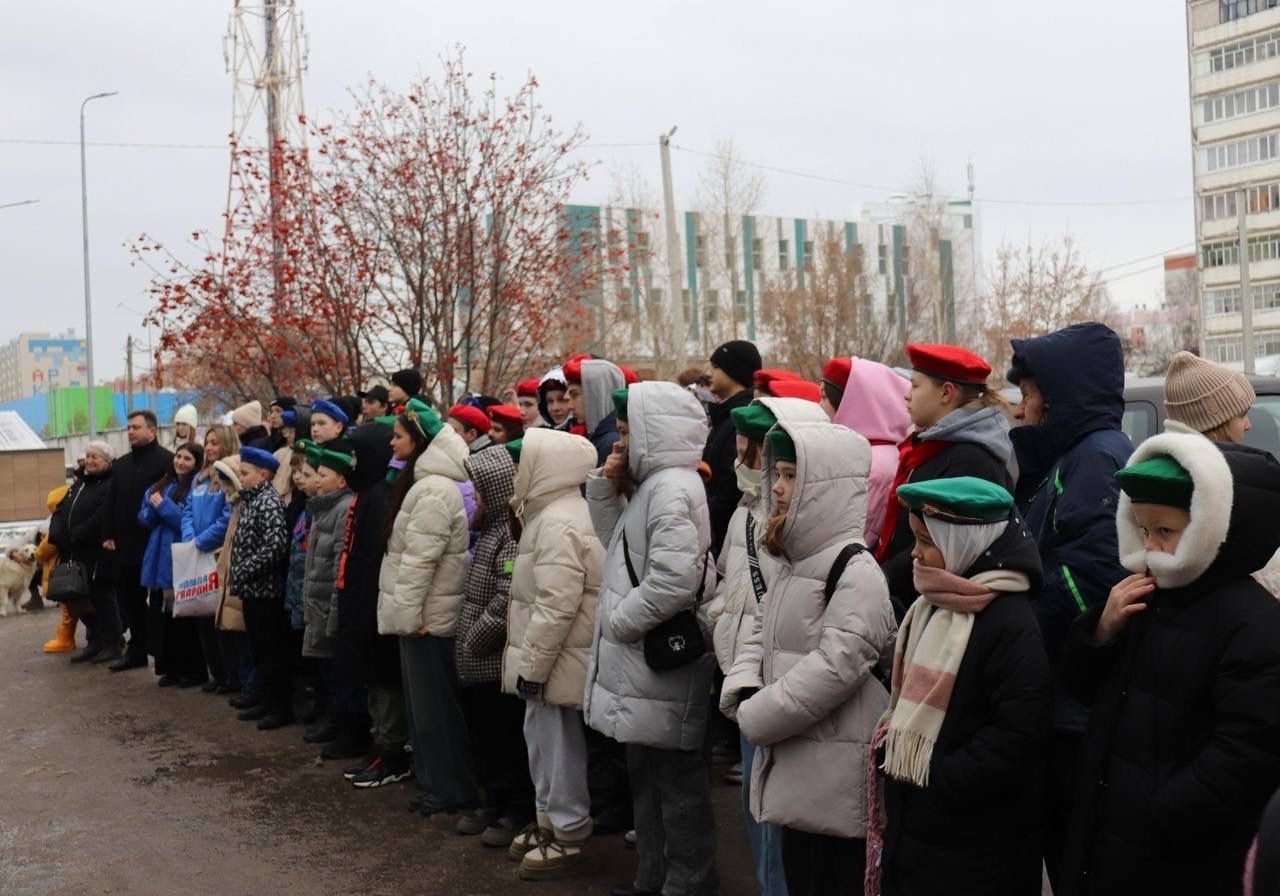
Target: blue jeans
<point x="765" y="839"/>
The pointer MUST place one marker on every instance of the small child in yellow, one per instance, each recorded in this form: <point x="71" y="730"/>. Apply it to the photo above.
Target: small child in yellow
<point x="64" y="636"/>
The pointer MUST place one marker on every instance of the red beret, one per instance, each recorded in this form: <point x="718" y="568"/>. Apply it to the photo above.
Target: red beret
<point x="836" y="372"/>
<point x="767" y="376"/>
<point x="796" y="389"/>
<point x="527" y="388"/>
<point x="949" y="362"/>
<point x="470" y="416"/>
<point x="506" y="415"/>
<point x="629" y="376"/>
<point x="573" y="371"/>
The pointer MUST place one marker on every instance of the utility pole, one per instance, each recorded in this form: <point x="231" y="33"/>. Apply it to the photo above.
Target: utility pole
<point x="88" y="305"/>
<point x="680" y="327"/>
<point x="1246" y="299"/>
<point x="128" y="375"/>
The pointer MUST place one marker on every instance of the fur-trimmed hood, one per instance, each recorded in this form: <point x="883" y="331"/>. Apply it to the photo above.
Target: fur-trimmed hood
<point x="1231" y="533"/>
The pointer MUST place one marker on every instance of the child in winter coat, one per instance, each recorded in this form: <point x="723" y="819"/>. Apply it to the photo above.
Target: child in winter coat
<point x="495" y="720"/>
<point x="1181" y="671"/>
<point x="259" y="552"/>
<point x="420" y="593"/>
<point x="303" y="477"/>
<point x="554" y="584"/>
<point x="205" y="516"/>
<point x="327" y="511"/>
<point x="175" y="643"/>
<point x="804" y="684"/>
<point x="746" y="572"/>
<point x="64" y="636"/>
<point x="970" y="706"/>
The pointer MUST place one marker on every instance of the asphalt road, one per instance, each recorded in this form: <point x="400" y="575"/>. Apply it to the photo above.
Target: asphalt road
<point x="109" y="784"/>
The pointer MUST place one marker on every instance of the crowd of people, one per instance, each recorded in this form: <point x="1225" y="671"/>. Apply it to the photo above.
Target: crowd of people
<point x="948" y="655"/>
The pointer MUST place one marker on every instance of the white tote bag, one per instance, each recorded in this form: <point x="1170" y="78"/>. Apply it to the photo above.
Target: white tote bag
<point x="195" y="581"/>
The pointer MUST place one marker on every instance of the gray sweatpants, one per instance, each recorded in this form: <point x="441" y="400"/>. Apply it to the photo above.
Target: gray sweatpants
<point x="558" y="765"/>
<point x="389" y="723"/>
<point x="675" y="830"/>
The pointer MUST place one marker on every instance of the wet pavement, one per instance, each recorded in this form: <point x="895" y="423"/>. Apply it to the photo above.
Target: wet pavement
<point x="109" y="784"/>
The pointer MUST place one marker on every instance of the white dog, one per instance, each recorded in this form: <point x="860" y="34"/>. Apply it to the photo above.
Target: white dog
<point x="17" y="566"/>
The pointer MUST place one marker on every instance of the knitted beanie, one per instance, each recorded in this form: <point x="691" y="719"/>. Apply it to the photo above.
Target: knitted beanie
<point x="739" y="359"/>
<point x="248" y="415"/>
<point x="1204" y="395"/>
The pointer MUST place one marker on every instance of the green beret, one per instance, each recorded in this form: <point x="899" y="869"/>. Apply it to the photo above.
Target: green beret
<point x="513" y="448"/>
<point x="780" y="445"/>
<point x="334" y="460"/>
<point x="753" y="421"/>
<point x="423" y="417"/>
<point x="964" y="500"/>
<point x="310" y="449"/>
<point x="1160" y="480"/>
<point x="620" y="403"/>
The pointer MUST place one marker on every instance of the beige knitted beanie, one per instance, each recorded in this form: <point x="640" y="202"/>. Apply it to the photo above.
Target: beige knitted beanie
<point x="1204" y="395"/>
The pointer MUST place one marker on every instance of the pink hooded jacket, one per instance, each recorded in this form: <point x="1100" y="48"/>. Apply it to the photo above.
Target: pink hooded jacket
<point x="874" y="406"/>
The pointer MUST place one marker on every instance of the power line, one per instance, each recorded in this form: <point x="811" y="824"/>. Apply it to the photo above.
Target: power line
<point x="1125" y="264"/>
<point x="223" y="147"/>
<point x="1148" y="270"/>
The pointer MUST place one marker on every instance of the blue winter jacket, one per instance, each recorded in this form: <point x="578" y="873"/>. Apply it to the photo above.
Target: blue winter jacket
<point x="1067" y="489"/>
<point x="205" y="515"/>
<point x="164" y="527"/>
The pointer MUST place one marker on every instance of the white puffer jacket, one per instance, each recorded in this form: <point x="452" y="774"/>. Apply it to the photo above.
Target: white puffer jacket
<point x="556" y="577"/>
<point x="819" y="701"/>
<point x="424" y="572"/>
<point x="734" y="609"/>
<point x="668" y="530"/>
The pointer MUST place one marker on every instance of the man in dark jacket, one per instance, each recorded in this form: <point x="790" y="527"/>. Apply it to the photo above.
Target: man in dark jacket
<point x="732" y="367"/>
<point x="1181" y="671"/>
<point x="1069" y="447"/>
<point x="131" y="476"/>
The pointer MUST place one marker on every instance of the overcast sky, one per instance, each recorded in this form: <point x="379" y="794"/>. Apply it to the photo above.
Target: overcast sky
<point x="1082" y="102"/>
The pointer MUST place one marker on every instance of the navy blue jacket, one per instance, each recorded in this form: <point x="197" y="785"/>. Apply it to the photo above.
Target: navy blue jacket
<point x="1067" y="489"/>
<point x="603" y="437"/>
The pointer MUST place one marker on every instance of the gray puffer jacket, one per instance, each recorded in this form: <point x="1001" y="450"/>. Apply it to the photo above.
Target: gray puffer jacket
<point x="668" y="531"/>
<point x="813" y="662"/>
<point x="319" y="589"/>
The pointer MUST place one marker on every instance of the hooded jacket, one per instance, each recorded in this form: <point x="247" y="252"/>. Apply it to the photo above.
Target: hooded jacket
<point x="482" y="622"/>
<point x="328" y="513"/>
<point x="1183" y="745"/>
<point x="205" y="513"/>
<point x="131" y="475"/>
<point x="1067" y="489"/>
<point x="599" y="379"/>
<point x="978" y="445"/>
<point x="733" y="611"/>
<point x="425" y="569"/>
<point x="719" y="454"/>
<point x="363" y="655"/>
<point x="813" y="661"/>
<point x="164" y="527"/>
<point x="76" y="526"/>
<point x="557" y="570"/>
<point x="552" y="380"/>
<point x="977" y="828"/>
<point x="874" y="406"/>
<point x="667" y="529"/>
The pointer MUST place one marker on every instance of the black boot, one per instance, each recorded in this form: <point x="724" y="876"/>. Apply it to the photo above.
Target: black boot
<point x="322" y="731"/>
<point x="89" y="654"/>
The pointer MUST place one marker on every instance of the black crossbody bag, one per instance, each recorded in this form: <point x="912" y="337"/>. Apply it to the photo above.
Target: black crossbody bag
<point x="677" y="641"/>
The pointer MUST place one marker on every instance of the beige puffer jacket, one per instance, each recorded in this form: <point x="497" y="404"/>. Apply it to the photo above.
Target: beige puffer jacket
<point x="813" y="662"/>
<point x="425" y="570"/>
<point x="734" y="609"/>
<point x="557" y="571"/>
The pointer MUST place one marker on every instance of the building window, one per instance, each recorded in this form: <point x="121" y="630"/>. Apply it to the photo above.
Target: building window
<point x="1224" y="350"/>
<point x="1219" y="254"/>
<point x="642" y="240"/>
<point x="700" y="251"/>
<point x="686" y="305"/>
<point x="1218" y="206"/>
<point x="1237" y="153"/>
<point x="784" y="255"/>
<point x="882" y="260"/>
<point x="1230" y="10"/>
<point x="1241" y="102"/>
<point x="808" y="255"/>
<point x="1243" y="52"/>
<point x="1266" y="296"/>
<point x="711" y="305"/>
<point x="1265" y="247"/>
<point x="1222" y="301"/>
<point x="729" y="256"/>
<point x="757" y="254"/>
<point x="740" y="305"/>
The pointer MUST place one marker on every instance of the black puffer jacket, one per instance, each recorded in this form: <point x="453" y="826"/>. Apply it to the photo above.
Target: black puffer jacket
<point x="76" y="528"/>
<point x="1183" y="745"/>
<point x="131" y="475"/>
<point x="723" y="493"/>
<point x="976" y="829"/>
<point x="363" y="655"/>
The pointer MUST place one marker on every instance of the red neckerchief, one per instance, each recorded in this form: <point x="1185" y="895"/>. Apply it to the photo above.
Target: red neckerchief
<point x="911" y="453"/>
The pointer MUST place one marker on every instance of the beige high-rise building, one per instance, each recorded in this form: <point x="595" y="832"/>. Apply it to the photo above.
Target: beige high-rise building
<point x="1234" y="62"/>
<point x="35" y="363"/>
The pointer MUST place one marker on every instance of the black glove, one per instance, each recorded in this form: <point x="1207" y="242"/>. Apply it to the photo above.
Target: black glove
<point x="745" y="694"/>
<point x="530" y="690"/>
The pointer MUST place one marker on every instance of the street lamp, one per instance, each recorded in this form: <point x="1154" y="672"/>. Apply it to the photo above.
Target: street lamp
<point x="88" y="307"/>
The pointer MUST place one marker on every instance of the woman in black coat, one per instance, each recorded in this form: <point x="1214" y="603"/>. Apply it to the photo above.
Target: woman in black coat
<point x="1183" y="745"/>
<point x="76" y="530"/>
<point x="964" y="798"/>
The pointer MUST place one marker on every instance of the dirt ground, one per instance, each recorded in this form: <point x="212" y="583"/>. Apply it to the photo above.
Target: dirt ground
<point x="111" y="785"/>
